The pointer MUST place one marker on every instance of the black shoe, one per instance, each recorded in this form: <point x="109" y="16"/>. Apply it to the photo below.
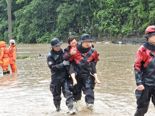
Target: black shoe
<point x="8" y="72"/>
<point x="90" y="106"/>
<point x="58" y="109"/>
<point x="4" y="72"/>
<point x="72" y="111"/>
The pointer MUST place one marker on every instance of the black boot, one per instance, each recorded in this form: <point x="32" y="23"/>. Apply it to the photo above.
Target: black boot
<point x="8" y="72"/>
<point x="58" y="108"/>
<point x="4" y="72"/>
<point x="140" y="112"/>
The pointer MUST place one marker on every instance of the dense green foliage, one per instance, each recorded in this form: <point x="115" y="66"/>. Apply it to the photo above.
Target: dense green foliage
<point x="37" y="21"/>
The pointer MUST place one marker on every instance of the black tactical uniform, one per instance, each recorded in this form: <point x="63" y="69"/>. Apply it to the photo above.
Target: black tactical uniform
<point x="59" y="77"/>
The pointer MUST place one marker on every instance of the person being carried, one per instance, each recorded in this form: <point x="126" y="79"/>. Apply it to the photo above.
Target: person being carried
<point x="144" y="68"/>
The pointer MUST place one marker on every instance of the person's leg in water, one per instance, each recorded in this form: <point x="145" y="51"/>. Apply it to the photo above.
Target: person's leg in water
<point x="13" y="67"/>
<point x="55" y="88"/>
<point x="77" y="93"/>
<point x="77" y="89"/>
<point x="5" y="66"/>
<point x="143" y="99"/>
<point x="89" y="90"/>
<point x="68" y="94"/>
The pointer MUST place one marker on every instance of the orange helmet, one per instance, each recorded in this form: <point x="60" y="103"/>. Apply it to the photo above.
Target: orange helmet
<point x="150" y="29"/>
<point x="2" y="44"/>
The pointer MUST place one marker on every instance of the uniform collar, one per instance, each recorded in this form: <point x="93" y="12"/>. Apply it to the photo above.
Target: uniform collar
<point x="149" y="46"/>
<point x="57" y="53"/>
<point x="82" y="49"/>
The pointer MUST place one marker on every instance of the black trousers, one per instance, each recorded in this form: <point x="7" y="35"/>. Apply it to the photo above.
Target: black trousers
<point x="143" y="100"/>
<point x="58" y="86"/>
<point x="85" y="84"/>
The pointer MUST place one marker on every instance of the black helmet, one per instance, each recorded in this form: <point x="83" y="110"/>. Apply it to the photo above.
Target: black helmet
<point x="55" y="42"/>
<point x="86" y="37"/>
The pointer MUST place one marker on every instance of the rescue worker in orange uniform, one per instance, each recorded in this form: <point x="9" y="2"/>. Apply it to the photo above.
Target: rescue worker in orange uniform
<point x="12" y="55"/>
<point x="4" y="57"/>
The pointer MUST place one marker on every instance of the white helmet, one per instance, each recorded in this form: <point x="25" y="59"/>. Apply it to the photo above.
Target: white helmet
<point x="12" y="41"/>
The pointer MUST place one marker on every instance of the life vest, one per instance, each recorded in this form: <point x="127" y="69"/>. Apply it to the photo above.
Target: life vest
<point x="144" y="57"/>
<point x="90" y="56"/>
<point x="145" y="64"/>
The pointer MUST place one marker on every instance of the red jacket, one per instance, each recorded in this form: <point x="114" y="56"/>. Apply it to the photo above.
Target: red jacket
<point x="145" y="65"/>
<point x="78" y="57"/>
<point x="85" y="59"/>
<point x="143" y="56"/>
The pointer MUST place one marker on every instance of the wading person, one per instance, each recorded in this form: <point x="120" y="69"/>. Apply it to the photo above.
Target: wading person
<point x="59" y="77"/>
<point x="145" y="72"/>
<point x="85" y="60"/>
<point x="12" y="55"/>
<point x="4" y="57"/>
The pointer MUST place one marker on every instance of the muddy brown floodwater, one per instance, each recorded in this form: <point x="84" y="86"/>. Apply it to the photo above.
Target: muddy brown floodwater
<point x="27" y="93"/>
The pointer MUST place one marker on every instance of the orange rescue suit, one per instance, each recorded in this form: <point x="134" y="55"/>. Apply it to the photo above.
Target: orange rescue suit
<point x="12" y="56"/>
<point x="4" y="56"/>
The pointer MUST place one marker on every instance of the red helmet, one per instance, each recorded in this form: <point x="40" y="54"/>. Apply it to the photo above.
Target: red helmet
<point x="150" y="29"/>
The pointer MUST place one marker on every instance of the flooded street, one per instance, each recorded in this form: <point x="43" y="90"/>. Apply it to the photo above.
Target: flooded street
<point x="28" y="94"/>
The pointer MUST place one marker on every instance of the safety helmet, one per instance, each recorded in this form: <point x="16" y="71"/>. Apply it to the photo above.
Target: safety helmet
<point x="86" y="37"/>
<point x="150" y="29"/>
<point x="55" y="42"/>
<point x="12" y="41"/>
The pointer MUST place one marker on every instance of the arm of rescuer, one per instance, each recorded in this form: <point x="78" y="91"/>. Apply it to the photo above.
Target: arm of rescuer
<point x="93" y="61"/>
<point x="55" y="67"/>
<point x="93" y="71"/>
<point x="1" y="53"/>
<point x="138" y="65"/>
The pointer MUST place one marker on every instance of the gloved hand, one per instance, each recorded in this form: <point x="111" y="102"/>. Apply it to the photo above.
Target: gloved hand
<point x="65" y="63"/>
